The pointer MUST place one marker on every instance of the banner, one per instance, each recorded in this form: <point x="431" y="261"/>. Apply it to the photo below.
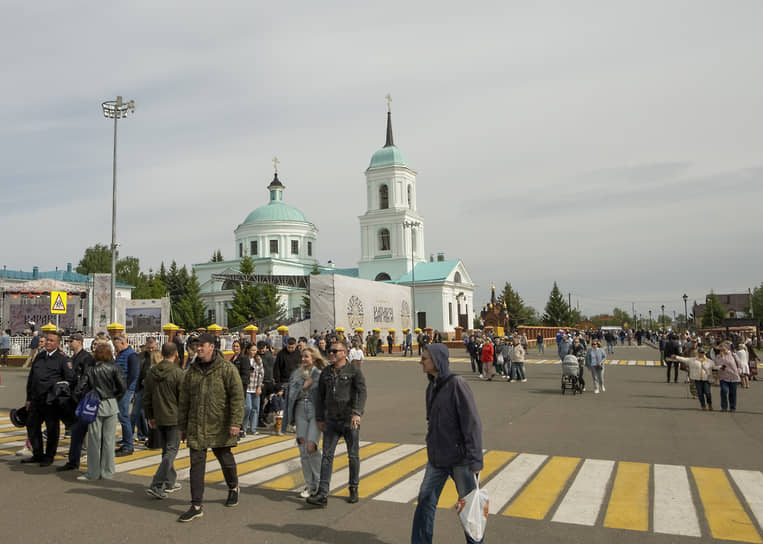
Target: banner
<point x="21" y="314"/>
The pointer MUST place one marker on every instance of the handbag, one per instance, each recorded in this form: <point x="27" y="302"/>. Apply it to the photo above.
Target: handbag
<point x="87" y="409"/>
<point x="472" y="511"/>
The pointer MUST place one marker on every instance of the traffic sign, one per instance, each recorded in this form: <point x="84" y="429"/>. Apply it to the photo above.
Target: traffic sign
<point x="58" y="302"/>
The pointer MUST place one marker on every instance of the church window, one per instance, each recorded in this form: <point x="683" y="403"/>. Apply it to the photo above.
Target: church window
<point x="457" y="277"/>
<point x="241" y="250"/>
<point x="384" y="240"/>
<point x="410" y="200"/>
<point x="253" y="247"/>
<point x="309" y="249"/>
<point x="382" y="276"/>
<point x="383" y="197"/>
<point x="295" y="247"/>
<point x="274" y="247"/>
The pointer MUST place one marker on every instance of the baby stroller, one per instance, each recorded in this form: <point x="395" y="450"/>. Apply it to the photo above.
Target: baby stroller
<point x="570" y="372"/>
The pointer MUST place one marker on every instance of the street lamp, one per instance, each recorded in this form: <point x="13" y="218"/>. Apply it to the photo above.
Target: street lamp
<point x="686" y="311"/>
<point x="662" y="321"/>
<point x="115" y="109"/>
<point x="412" y="225"/>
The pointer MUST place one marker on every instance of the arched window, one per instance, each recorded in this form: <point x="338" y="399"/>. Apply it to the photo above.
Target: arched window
<point x="410" y="200"/>
<point x="384" y="240"/>
<point x="457" y="277"/>
<point x="382" y="276"/>
<point x="383" y="197"/>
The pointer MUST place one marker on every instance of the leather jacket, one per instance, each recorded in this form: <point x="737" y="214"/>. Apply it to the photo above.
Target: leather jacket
<point x="107" y="379"/>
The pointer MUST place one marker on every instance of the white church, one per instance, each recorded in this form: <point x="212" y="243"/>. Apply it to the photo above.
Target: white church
<point x="394" y="284"/>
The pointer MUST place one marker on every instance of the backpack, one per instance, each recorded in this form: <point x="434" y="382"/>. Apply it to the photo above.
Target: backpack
<point x="87" y="409"/>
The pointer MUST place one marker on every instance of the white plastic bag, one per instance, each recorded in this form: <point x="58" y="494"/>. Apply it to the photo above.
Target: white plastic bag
<point x="472" y="511"/>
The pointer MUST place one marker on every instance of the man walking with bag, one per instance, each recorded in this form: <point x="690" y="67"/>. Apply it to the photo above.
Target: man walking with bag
<point x="161" y="394"/>
<point x="454" y="440"/>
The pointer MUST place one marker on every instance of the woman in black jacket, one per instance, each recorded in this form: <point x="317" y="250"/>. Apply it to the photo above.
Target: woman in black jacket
<point x="107" y="379"/>
<point x="241" y="362"/>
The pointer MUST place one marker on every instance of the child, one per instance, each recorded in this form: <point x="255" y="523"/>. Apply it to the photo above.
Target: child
<point x="277" y="406"/>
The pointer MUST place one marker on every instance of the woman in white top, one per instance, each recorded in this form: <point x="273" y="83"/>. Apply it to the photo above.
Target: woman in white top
<point x="356" y="354"/>
<point x="744" y="360"/>
<point x="701" y="371"/>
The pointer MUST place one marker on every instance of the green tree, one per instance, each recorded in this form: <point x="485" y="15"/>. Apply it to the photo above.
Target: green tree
<point x="217" y="257"/>
<point x="714" y="312"/>
<point x="128" y="270"/>
<point x="519" y="313"/>
<point x="149" y="286"/>
<point x="757" y="303"/>
<point x="557" y="312"/>
<point x="96" y="260"/>
<point x="255" y="302"/>
<point x="246" y="265"/>
<point x="189" y="311"/>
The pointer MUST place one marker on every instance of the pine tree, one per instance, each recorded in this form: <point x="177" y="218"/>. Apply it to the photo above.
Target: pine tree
<point x="246" y="265"/>
<point x="217" y="257"/>
<point x="255" y="302"/>
<point x="714" y="312"/>
<point x="519" y="313"/>
<point x="189" y="311"/>
<point x="557" y="312"/>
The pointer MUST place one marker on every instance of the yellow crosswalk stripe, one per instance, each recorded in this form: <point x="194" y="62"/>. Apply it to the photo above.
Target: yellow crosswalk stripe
<point x="296" y="479"/>
<point x="15" y="438"/>
<point x="491" y="461"/>
<point x="372" y="484"/>
<point x="629" y="503"/>
<point x="186" y="461"/>
<point x="641" y="363"/>
<point x="725" y="515"/>
<point x="542" y="492"/>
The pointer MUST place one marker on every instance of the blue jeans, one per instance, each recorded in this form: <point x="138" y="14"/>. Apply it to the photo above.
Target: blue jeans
<point x="124" y="420"/>
<point x="137" y="419"/>
<point x="703" y="392"/>
<point x="251" y="412"/>
<point x="78" y="432"/>
<point x="429" y="494"/>
<point x="728" y="389"/>
<point x="334" y="430"/>
<point x="518" y="371"/>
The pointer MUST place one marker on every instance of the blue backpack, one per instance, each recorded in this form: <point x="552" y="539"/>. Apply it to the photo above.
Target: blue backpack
<point x="87" y="409"/>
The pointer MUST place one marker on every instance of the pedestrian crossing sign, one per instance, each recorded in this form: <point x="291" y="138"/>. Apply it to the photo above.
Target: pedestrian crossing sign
<point x="58" y="302"/>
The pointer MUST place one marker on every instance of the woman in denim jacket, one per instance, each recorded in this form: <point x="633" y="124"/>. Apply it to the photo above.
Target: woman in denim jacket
<point x="303" y="393"/>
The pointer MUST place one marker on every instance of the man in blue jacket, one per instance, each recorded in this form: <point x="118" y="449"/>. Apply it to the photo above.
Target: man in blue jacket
<point x="454" y="439"/>
<point x="129" y="362"/>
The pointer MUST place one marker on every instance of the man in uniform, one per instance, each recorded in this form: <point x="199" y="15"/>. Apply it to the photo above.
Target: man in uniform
<point x="341" y="401"/>
<point x="81" y="361"/>
<point x="50" y="366"/>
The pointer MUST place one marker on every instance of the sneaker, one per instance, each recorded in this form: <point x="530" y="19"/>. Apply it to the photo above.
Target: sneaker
<point x="317" y="500"/>
<point x="24" y="451"/>
<point x="191" y="514"/>
<point x="232" y="499"/>
<point x="603" y="388"/>
<point x="524" y="380"/>
<point x="172" y="488"/>
<point x="156" y="493"/>
<point x="83" y="478"/>
<point x="305" y="493"/>
<point x="242" y="434"/>
<point x="67" y="466"/>
<point x="122" y="452"/>
<point x="482" y="376"/>
<point x="596" y="391"/>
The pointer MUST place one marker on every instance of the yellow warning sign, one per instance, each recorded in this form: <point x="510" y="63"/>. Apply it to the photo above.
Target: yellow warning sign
<point x="58" y="302"/>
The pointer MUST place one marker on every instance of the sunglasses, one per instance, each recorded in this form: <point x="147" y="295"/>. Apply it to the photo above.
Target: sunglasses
<point x="335" y="351"/>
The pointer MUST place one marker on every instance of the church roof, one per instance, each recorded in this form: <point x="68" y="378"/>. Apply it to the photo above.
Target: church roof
<point x="276" y="211"/>
<point x="349" y="272"/>
<point x="430" y="272"/>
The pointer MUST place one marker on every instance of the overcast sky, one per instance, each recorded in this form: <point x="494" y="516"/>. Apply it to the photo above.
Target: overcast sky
<point x="614" y="147"/>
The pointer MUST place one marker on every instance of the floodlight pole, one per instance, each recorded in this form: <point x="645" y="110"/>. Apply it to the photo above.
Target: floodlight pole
<point x="412" y="225"/>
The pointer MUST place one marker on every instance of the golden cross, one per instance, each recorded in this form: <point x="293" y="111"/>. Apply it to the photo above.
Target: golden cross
<point x="276" y="162"/>
<point x="389" y="101"/>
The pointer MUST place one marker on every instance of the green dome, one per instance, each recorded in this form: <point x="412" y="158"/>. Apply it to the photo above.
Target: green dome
<point x="276" y="211"/>
<point x="388" y="156"/>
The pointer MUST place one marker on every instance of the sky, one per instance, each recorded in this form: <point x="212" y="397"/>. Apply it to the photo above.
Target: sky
<point x="612" y="147"/>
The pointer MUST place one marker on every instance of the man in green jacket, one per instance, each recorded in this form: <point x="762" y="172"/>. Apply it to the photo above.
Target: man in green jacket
<point x="210" y="416"/>
<point x="161" y="393"/>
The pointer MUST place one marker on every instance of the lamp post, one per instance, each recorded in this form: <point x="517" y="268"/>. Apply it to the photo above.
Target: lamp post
<point x="662" y="320"/>
<point x="412" y="225"/>
<point x="686" y="311"/>
<point x="115" y="109"/>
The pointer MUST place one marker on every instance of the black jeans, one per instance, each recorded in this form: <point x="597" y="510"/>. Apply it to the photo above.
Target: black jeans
<point x="78" y="432"/>
<point x="333" y="431"/>
<point x="674" y="365"/>
<point x="198" y="471"/>
<point x="39" y="412"/>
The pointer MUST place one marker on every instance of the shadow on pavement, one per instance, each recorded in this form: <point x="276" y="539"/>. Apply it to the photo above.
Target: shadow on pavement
<point x="133" y="494"/>
<point x="319" y="533"/>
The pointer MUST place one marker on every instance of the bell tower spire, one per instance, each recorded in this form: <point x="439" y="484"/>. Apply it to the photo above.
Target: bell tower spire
<point x="389" y="142"/>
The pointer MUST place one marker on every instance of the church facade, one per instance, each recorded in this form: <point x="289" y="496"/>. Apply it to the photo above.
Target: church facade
<point x="282" y="243"/>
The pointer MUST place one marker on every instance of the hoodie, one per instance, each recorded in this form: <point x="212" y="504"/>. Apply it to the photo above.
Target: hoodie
<point x="161" y="393"/>
<point x="454" y="430"/>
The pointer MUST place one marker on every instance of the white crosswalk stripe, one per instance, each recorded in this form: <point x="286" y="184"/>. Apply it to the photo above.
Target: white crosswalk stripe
<point x="502" y="487"/>
<point x="582" y="503"/>
<point x="674" y="512"/>
<point x="750" y="482"/>
<point x="405" y="491"/>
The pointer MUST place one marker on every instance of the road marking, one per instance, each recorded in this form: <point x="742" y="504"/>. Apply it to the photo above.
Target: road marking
<point x="405" y="491"/>
<point x="491" y="461"/>
<point x="641" y="363"/>
<point x="339" y="478"/>
<point x="582" y="503"/>
<point x="673" y="506"/>
<point x="288" y="476"/>
<point x="750" y="482"/>
<point x="650" y="363"/>
<point x="541" y="493"/>
<point x="370" y="485"/>
<point x="631" y="363"/>
<point x="725" y="515"/>
<point x="502" y="488"/>
<point x="629" y="502"/>
<point x="256" y="459"/>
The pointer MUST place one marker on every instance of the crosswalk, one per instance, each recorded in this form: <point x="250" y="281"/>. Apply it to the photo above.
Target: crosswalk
<point x="612" y="362"/>
<point x="690" y="501"/>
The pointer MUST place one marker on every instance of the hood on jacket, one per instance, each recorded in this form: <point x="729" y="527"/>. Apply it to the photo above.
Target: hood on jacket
<point x="161" y="371"/>
<point x="439" y="354"/>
